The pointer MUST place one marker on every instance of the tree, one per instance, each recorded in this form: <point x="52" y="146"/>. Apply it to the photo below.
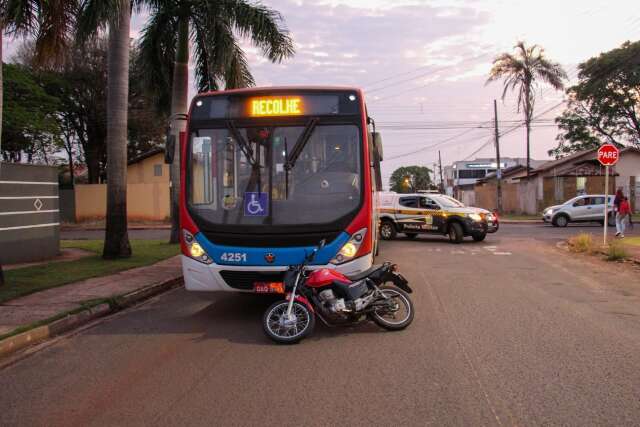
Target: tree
<point x="605" y="104"/>
<point x="409" y="179"/>
<point x="521" y="72"/>
<point x="117" y="15"/>
<point x="211" y="26"/>
<point x="30" y="122"/>
<point x="146" y="121"/>
<point x="50" y="22"/>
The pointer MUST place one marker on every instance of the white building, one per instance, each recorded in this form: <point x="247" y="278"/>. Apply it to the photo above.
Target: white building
<point x="460" y="177"/>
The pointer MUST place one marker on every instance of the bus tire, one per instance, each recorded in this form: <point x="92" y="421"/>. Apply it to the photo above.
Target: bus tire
<point x="387" y="230"/>
<point x="455" y="233"/>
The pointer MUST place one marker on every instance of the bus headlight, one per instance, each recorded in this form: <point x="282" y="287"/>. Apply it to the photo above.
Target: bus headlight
<point x="350" y="249"/>
<point x="194" y="249"/>
<point x="475" y="217"/>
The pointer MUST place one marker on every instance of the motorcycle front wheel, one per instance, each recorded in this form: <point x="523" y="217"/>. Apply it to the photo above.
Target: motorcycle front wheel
<point x="398" y="313"/>
<point x="285" y="330"/>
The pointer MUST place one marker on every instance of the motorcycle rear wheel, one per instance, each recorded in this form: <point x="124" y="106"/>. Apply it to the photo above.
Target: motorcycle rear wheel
<point x="282" y="331"/>
<point x="388" y="320"/>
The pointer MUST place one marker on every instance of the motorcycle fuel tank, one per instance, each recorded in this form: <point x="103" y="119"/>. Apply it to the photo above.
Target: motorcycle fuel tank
<point x="326" y="276"/>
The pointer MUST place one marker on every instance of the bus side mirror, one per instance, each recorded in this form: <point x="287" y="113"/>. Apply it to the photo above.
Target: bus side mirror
<point x="169" y="149"/>
<point x="377" y="143"/>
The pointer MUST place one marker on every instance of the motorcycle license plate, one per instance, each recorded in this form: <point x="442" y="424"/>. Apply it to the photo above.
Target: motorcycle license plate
<point x="268" y="287"/>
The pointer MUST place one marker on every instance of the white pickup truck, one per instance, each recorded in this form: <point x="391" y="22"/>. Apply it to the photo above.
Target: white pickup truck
<point x="416" y="213"/>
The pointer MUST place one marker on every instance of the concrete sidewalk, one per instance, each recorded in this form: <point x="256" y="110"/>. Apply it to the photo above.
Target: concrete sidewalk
<point x="46" y="304"/>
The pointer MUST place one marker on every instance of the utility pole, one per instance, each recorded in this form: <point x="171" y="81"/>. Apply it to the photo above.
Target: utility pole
<point x="498" y="168"/>
<point x="441" y="180"/>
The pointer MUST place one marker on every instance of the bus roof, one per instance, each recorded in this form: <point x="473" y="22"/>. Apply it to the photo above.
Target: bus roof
<point x="278" y="88"/>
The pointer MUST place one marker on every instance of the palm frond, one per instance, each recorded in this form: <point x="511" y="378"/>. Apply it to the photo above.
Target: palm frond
<point x="94" y="15"/>
<point x="20" y="17"/>
<point x="156" y="55"/>
<point x="551" y="72"/>
<point x="237" y="73"/>
<point x="205" y="71"/>
<point x="54" y="36"/>
<point x="264" y="26"/>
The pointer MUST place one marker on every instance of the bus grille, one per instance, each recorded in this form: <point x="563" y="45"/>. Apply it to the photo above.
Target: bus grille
<point x="245" y="279"/>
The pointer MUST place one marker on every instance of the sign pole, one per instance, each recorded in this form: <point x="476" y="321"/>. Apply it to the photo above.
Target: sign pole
<point x="606" y="202"/>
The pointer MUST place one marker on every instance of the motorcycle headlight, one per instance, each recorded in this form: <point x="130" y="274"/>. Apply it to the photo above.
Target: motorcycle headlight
<point x="350" y="249"/>
<point x="476" y="217"/>
<point x="194" y="249"/>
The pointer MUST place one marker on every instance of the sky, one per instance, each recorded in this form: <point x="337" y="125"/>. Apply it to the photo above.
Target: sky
<point x="423" y="65"/>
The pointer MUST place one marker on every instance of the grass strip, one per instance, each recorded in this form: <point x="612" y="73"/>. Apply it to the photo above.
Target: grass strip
<point x="27" y="280"/>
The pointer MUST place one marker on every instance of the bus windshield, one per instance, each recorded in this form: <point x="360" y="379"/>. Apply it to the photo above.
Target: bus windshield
<point x="246" y="176"/>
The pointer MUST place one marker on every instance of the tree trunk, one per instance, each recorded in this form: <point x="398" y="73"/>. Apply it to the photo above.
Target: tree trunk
<point x="179" y="97"/>
<point x="527" y="122"/>
<point x="93" y="163"/>
<point x="116" y="241"/>
<point x="69" y="149"/>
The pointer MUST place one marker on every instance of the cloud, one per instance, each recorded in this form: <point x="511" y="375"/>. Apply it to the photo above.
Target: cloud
<point x="334" y="40"/>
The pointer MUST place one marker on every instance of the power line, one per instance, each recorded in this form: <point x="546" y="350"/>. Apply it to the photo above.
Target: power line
<point x="431" y="146"/>
<point x="426" y="74"/>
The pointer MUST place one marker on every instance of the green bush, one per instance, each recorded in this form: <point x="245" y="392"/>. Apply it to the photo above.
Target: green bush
<point x="583" y="242"/>
<point x="616" y="251"/>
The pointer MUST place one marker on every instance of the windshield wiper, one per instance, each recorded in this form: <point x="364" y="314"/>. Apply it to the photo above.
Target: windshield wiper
<point x="244" y="145"/>
<point x="300" y="143"/>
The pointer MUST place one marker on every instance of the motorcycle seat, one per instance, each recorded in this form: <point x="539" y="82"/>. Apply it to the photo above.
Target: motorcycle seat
<point x="366" y="273"/>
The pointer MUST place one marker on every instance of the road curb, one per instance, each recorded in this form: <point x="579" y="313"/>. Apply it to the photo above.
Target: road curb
<point x="39" y="334"/>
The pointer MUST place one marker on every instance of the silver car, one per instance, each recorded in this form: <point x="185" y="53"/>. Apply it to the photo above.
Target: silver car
<point x="586" y="208"/>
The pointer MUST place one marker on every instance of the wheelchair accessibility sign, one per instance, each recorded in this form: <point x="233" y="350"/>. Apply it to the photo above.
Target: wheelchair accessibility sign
<point x="256" y="204"/>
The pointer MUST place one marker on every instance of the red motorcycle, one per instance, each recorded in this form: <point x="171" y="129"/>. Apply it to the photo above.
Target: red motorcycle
<point x="379" y="294"/>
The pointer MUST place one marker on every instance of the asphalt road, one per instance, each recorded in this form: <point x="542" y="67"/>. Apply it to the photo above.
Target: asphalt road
<point x="511" y="331"/>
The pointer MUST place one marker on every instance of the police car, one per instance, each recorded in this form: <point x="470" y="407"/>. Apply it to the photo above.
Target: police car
<point x="433" y="213"/>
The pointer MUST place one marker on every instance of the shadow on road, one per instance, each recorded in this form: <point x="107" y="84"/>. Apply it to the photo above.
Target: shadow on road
<point x="236" y="318"/>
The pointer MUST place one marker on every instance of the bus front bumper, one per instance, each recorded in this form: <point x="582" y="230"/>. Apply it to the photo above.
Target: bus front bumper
<point x="199" y="277"/>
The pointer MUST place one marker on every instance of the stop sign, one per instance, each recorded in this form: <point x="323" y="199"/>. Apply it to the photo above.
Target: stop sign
<point x="608" y="154"/>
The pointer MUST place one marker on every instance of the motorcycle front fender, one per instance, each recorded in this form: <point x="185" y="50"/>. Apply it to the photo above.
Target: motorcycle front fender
<point x="302" y="300"/>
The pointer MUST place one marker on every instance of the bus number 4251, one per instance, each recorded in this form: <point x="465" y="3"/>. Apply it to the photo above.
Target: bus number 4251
<point x="233" y="257"/>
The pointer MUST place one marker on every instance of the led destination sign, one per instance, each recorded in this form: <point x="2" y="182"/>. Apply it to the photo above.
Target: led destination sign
<point x="275" y="106"/>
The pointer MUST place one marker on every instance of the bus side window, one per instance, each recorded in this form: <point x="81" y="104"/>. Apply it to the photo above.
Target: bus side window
<point x="202" y="176"/>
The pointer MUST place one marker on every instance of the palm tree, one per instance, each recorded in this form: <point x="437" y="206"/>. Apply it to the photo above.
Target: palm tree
<point x="521" y="71"/>
<point x="210" y="26"/>
<point x="117" y="15"/>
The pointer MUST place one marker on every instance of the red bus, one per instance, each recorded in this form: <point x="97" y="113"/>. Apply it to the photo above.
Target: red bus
<point x="269" y="172"/>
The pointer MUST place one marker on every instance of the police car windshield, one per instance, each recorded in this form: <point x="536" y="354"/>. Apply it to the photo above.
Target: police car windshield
<point x="449" y="202"/>
<point x="238" y="175"/>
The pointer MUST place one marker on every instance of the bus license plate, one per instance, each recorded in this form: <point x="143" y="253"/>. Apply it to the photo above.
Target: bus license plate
<point x="268" y="287"/>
